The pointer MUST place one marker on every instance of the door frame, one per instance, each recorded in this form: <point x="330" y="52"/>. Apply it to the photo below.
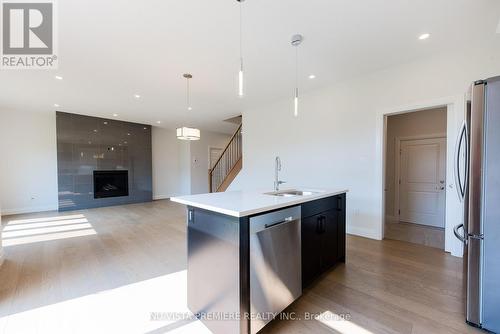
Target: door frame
<point x="397" y="162"/>
<point x="456" y="106"/>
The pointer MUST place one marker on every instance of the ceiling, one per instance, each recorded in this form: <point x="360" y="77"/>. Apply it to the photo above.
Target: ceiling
<point x="109" y="51"/>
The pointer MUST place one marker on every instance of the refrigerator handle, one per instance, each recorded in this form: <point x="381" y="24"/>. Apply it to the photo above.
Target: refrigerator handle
<point x="467" y="157"/>
<point x="460" y="237"/>
<point x="461" y="139"/>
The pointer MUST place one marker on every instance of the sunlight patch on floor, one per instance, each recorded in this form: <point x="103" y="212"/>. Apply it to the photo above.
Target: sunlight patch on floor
<point x="340" y="323"/>
<point x="26" y="226"/>
<point x="43" y="219"/>
<point x="26" y="231"/>
<point x="126" y="309"/>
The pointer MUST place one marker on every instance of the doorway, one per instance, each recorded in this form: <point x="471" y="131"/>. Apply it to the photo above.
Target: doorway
<point x="416" y="177"/>
<point x="214" y="154"/>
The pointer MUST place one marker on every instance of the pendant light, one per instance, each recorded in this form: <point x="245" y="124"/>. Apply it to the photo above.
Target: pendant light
<point x="296" y="41"/>
<point x="186" y="133"/>
<point x="240" y="73"/>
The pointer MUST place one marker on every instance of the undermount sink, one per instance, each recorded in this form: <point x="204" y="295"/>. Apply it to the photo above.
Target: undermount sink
<point x="291" y="193"/>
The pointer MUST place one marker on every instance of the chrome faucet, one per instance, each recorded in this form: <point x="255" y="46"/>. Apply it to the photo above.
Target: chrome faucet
<point x="277" y="169"/>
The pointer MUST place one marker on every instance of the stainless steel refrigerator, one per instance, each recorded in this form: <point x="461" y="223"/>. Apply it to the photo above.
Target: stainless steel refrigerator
<point x="477" y="175"/>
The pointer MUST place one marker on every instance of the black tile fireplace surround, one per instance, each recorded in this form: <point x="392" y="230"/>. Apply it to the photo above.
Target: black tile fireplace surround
<point x="92" y="148"/>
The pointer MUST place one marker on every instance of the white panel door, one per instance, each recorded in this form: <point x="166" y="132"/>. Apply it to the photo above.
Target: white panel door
<point x="214" y="155"/>
<point x="422" y="188"/>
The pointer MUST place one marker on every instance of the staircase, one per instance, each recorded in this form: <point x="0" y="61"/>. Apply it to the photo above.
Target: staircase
<point x="228" y="165"/>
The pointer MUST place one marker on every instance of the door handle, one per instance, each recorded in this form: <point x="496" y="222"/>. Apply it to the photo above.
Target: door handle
<point x="320" y="227"/>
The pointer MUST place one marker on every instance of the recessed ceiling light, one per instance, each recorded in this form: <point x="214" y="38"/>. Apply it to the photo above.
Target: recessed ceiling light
<point x="190" y="108"/>
<point x="95" y="130"/>
<point x="137" y="96"/>
<point x="105" y="123"/>
<point x="424" y="36"/>
<point x="56" y="105"/>
<point x="115" y="115"/>
<point x="58" y="77"/>
<point x="158" y="122"/>
<point x="312" y="76"/>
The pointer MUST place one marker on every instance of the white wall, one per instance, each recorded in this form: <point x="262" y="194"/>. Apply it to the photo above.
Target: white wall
<point x="337" y="140"/>
<point x="181" y="167"/>
<point x="28" y="162"/>
<point x="421" y="123"/>
<point x="169" y="175"/>
<point x="200" y="159"/>
<point x="1" y="248"/>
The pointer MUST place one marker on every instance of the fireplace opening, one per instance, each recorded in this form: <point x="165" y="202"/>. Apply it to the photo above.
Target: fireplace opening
<point x="110" y="183"/>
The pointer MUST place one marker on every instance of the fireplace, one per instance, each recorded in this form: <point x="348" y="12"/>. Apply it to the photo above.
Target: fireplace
<point x="110" y="183"/>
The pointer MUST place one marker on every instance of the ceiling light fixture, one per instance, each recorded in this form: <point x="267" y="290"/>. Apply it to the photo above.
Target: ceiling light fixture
<point x="424" y="36"/>
<point x="312" y="76"/>
<point x="186" y="133"/>
<point x="240" y="73"/>
<point x="296" y="41"/>
<point x="137" y="96"/>
<point x="56" y="105"/>
<point x="115" y="115"/>
<point x="158" y="122"/>
<point x="58" y="77"/>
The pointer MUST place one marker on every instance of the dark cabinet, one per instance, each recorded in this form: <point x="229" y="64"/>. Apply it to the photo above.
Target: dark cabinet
<point x="323" y="236"/>
<point x="329" y="239"/>
<point x="311" y="249"/>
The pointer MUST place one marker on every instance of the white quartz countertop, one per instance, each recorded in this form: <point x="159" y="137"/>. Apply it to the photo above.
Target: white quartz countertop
<point x="246" y="203"/>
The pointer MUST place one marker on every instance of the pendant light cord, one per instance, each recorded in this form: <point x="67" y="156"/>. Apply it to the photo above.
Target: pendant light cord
<point x="296" y="70"/>
<point x="187" y="94"/>
<point x="241" y="35"/>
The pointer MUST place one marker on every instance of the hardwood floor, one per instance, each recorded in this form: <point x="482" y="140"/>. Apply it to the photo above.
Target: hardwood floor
<point x="415" y="233"/>
<point x="114" y="269"/>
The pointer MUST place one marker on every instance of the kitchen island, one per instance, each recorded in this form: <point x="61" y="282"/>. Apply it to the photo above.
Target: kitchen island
<point x="251" y="253"/>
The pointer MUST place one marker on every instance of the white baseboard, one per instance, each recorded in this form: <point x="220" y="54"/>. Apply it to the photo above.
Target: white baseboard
<point x="363" y="233"/>
<point x="18" y="211"/>
<point x="158" y="197"/>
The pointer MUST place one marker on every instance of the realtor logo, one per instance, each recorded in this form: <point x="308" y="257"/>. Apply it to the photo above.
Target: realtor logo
<point x="28" y="35"/>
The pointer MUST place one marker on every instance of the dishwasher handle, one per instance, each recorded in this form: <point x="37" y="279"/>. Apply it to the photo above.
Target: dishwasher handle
<point x="273" y="219"/>
<point x="286" y="220"/>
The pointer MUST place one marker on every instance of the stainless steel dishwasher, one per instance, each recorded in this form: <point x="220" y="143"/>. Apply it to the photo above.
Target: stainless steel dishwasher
<point x="275" y="264"/>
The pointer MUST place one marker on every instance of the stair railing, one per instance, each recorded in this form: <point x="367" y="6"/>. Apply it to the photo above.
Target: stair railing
<point x="227" y="161"/>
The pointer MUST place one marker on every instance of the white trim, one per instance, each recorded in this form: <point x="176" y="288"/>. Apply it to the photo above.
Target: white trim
<point x="397" y="162"/>
<point x="158" y="197"/>
<point x="455" y="111"/>
<point x="18" y="211"/>
<point x="361" y="232"/>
